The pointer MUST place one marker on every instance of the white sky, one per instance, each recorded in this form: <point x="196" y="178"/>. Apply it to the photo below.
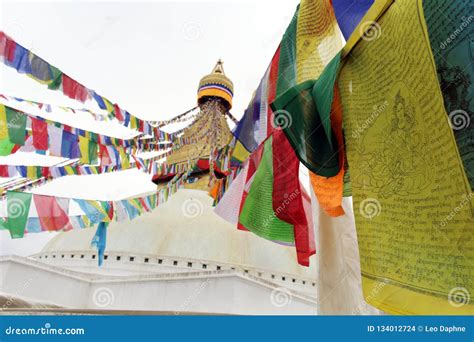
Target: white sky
<point x="147" y="56"/>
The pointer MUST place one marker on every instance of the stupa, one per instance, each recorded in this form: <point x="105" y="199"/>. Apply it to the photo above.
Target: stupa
<point x="207" y="134"/>
<point x="179" y="258"/>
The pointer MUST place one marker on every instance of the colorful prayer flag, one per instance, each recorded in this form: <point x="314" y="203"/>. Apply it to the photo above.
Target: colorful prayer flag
<point x="16" y="123"/>
<point x="18" y="207"/>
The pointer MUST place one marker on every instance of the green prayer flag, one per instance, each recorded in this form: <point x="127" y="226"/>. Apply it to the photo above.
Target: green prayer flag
<point x="16" y="123"/>
<point x="307" y="124"/>
<point x="454" y="65"/>
<point x="3" y="224"/>
<point x="6" y="147"/>
<point x="257" y="213"/>
<point x="18" y="207"/>
<point x="287" y="63"/>
<point x="323" y="93"/>
<point x="56" y="78"/>
<point x="93" y="152"/>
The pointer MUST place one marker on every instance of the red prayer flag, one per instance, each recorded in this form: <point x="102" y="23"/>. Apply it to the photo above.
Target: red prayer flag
<point x="52" y="217"/>
<point x="254" y="161"/>
<point x="288" y="195"/>
<point x="3" y="40"/>
<point x="105" y="159"/>
<point x="272" y="83"/>
<point x="40" y="134"/>
<point x="10" y="47"/>
<point x="4" y="171"/>
<point x="73" y="89"/>
<point x="118" y="113"/>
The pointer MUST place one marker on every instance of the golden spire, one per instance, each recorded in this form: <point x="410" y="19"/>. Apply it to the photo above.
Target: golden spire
<point x="216" y="84"/>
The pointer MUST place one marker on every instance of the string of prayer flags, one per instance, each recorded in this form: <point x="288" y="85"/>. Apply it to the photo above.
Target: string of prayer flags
<point x="24" y="61"/>
<point x="74" y="89"/>
<point x="94" y="210"/>
<point x="16" y="126"/>
<point x="53" y="212"/>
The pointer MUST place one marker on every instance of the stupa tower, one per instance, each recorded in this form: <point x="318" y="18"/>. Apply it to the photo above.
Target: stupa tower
<point x="209" y="131"/>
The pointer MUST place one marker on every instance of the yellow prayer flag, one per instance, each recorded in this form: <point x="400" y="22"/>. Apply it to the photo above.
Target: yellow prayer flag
<point x="412" y="201"/>
<point x="84" y="148"/>
<point x="3" y="123"/>
<point x="318" y="38"/>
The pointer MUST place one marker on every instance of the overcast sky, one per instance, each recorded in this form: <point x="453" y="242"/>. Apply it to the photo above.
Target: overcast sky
<point x="146" y="56"/>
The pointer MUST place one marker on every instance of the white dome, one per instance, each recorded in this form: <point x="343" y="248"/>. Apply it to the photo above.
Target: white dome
<point x="168" y="232"/>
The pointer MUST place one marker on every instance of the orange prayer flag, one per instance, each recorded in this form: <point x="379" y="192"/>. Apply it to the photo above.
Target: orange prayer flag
<point x="329" y="190"/>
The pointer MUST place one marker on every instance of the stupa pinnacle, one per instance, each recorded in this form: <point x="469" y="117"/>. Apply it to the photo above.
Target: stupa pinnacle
<point x="208" y="133"/>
